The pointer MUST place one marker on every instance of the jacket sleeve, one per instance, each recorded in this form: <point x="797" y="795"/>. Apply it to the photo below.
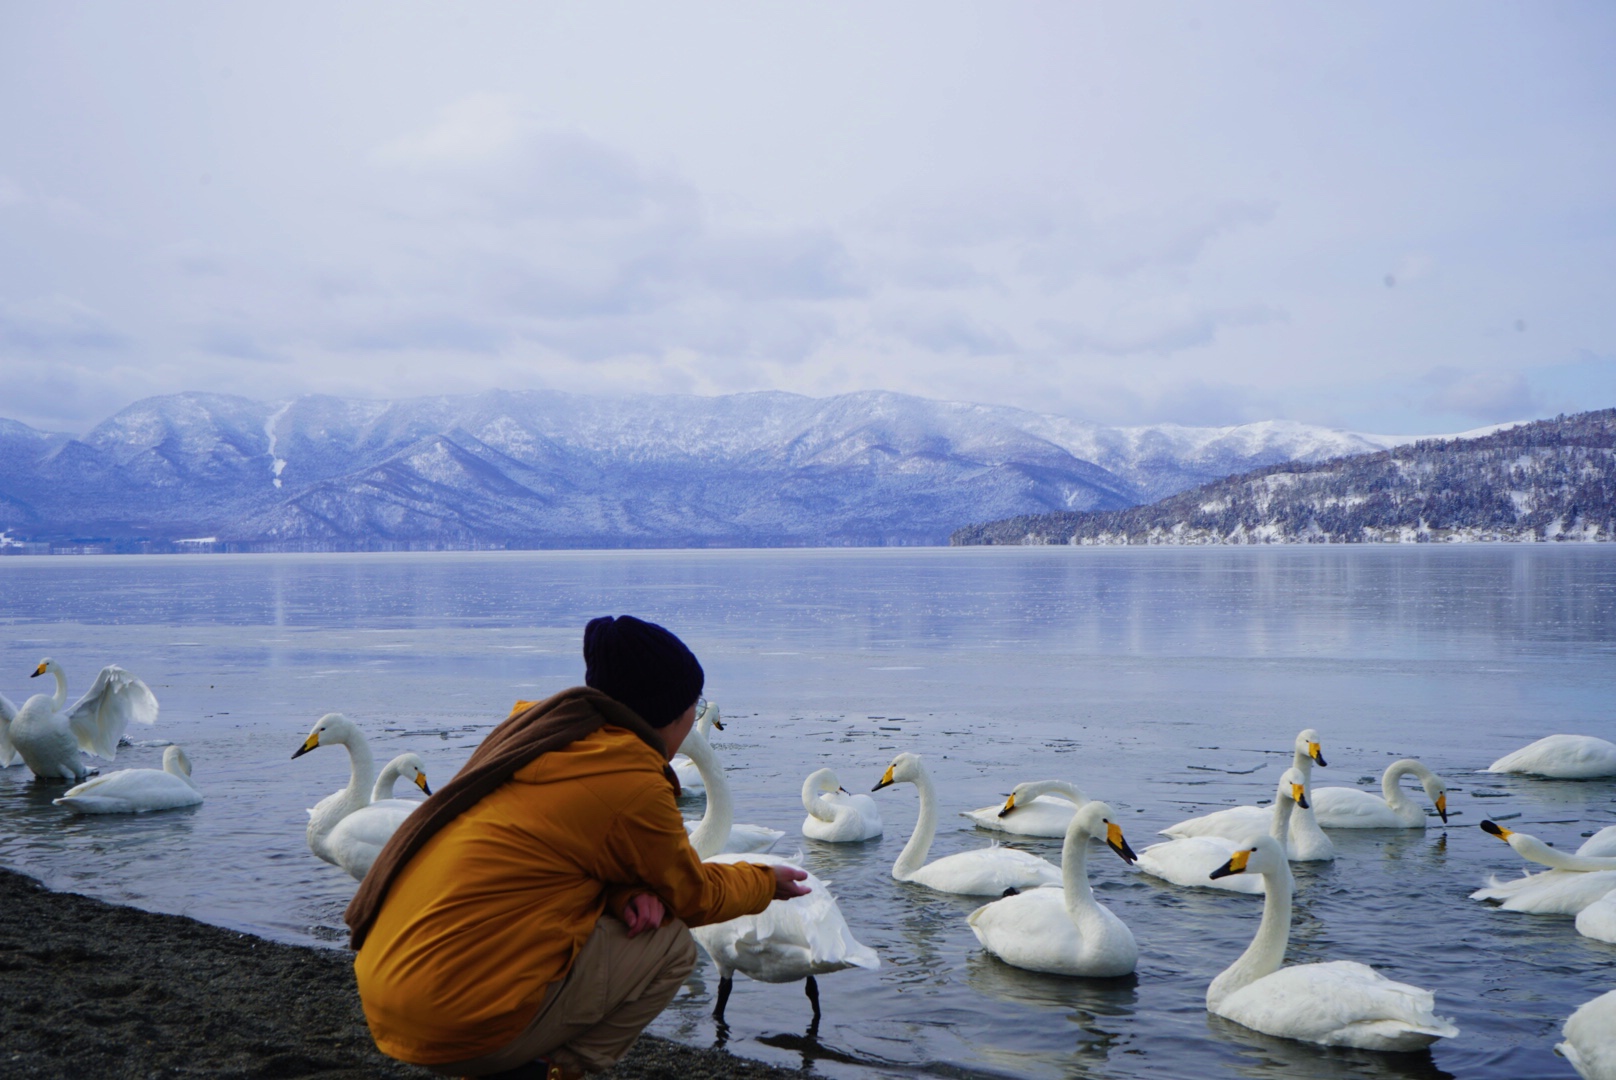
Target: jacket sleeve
<point x="647" y="846"/>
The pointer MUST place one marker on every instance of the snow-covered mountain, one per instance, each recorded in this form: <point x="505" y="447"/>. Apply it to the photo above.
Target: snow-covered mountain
<point x="540" y="469"/>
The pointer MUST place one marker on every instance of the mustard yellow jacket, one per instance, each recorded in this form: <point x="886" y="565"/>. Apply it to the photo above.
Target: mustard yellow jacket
<point x="495" y="907"/>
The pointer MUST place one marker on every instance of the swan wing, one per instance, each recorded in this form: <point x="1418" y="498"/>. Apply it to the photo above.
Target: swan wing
<point x="1046" y="816"/>
<point x="751" y="839"/>
<point x="357" y="839"/>
<point x="1567" y="757"/>
<point x="1190" y="860"/>
<point x="1601" y="845"/>
<point x="130" y="791"/>
<point x="789" y="939"/>
<point x="8" y="713"/>
<point x="1341" y="1003"/>
<point x="1590" y="1038"/>
<point x="1033" y="930"/>
<point x="1552" y="892"/>
<point x="1236" y="823"/>
<point x="987" y="872"/>
<point x="1598" y="919"/>
<point x="1350" y="808"/>
<point x="99" y="718"/>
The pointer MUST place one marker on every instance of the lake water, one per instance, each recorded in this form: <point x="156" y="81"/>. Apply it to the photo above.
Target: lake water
<point x="1166" y="681"/>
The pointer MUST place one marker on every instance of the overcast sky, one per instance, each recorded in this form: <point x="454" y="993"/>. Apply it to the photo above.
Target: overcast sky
<point x="1389" y="217"/>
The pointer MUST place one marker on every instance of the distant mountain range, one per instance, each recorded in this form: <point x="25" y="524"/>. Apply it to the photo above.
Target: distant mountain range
<point x="1548" y="480"/>
<point x="541" y="469"/>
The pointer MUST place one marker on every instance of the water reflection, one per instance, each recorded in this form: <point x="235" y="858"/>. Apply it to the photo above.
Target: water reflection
<point x="1264" y="1057"/>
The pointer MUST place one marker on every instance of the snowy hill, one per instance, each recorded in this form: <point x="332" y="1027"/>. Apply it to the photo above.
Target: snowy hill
<point x="540" y="469"/>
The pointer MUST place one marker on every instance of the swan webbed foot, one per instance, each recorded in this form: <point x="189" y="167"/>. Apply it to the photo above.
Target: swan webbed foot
<point x="726" y="983"/>
<point x="811" y="988"/>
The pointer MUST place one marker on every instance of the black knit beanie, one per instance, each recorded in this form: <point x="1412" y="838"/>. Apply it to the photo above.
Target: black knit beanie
<point x="643" y="666"/>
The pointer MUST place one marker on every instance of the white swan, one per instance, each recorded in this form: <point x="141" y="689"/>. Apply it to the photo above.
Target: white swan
<point x="1353" y="808"/>
<point x="1598" y="919"/>
<point x="1190" y="860"/>
<point x="985" y="872"/>
<point x="1062" y="929"/>
<point x="1590" y="1038"/>
<point x="690" y="781"/>
<point x="1339" y="1003"/>
<point x="788" y="940"/>
<point x="834" y="814"/>
<point x="1571" y="884"/>
<point x="336" y="729"/>
<point x="1032" y="809"/>
<point x="1563" y="757"/>
<point x="356" y="840"/>
<point x="48" y="735"/>
<point x="716" y="832"/>
<point x="135" y="791"/>
<point x="1306" y="842"/>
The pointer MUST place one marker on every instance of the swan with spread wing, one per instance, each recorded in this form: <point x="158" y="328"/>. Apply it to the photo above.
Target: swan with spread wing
<point x="49" y="736"/>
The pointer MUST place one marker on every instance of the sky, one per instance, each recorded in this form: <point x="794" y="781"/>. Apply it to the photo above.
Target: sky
<point x="1389" y="217"/>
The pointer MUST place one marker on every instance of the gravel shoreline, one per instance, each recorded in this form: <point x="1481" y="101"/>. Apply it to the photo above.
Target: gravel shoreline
<point x="92" y="989"/>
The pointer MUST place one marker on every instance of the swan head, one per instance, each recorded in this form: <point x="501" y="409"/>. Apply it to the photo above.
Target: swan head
<point x="1437" y="792"/>
<point x="175" y="761"/>
<point x="413" y="769"/>
<point x="1264" y="856"/>
<point x="1292" y="786"/>
<point x="905" y="768"/>
<point x="707" y="717"/>
<point x="1027" y="791"/>
<point x="1307" y="742"/>
<point x="45" y="665"/>
<point x="1100" y="821"/>
<point x="821" y="782"/>
<point x="330" y="728"/>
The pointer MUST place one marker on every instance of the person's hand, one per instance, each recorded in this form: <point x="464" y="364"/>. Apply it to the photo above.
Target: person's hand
<point x="787" y="882"/>
<point x="644" y="912"/>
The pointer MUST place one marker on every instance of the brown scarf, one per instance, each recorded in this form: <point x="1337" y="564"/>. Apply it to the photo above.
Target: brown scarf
<point x="549" y="725"/>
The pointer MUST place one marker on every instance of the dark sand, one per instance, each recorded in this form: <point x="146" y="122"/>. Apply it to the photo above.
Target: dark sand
<point x="89" y="989"/>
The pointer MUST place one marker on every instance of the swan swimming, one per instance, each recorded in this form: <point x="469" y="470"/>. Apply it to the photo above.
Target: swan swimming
<point x="1590" y="1038"/>
<point x="1338" y="1003"/>
<point x="48" y="735"/>
<point x="334" y="729"/>
<point x="1062" y="929"/>
<point x="1561" y="757"/>
<point x="834" y="815"/>
<point x="985" y="872"/>
<point x="1190" y="860"/>
<point x="136" y="791"/>
<point x="690" y="781"/>
<point x="716" y="833"/>
<point x="355" y="841"/>
<point x="1598" y="919"/>
<point x="789" y="940"/>
<point x="1032" y="809"/>
<point x="1571" y="884"/>
<point x="1352" y="808"/>
<point x="1306" y="842"/>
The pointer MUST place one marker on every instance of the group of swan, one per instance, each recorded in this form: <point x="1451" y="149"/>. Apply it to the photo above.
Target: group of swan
<point x="1190" y="860"/>
<point x="49" y="736"/>
<point x="348" y="828"/>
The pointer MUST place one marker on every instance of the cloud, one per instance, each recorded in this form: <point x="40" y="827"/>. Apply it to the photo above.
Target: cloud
<point x="1156" y="332"/>
<point x="50" y="325"/>
<point x="1482" y="395"/>
<point x="11" y="193"/>
<point x="945" y="330"/>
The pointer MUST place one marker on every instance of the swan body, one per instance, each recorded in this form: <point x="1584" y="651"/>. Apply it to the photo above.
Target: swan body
<point x="1571" y="883"/>
<point x="1598" y="919"/>
<point x="690" y="781"/>
<point x="1062" y="929"/>
<point x="136" y="791"/>
<point x="985" y="872"/>
<point x="1562" y="757"/>
<point x="48" y="735"/>
<point x="1306" y="842"/>
<point x="716" y="833"/>
<point x="1590" y="1039"/>
<point x="1035" y="808"/>
<point x="833" y="814"/>
<point x="355" y="841"/>
<point x="1190" y="860"/>
<point x="1352" y="808"/>
<point x="787" y="941"/>
<point x="1339" y="1003"/>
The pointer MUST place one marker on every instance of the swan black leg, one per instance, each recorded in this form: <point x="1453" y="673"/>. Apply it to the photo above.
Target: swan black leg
<point x="811" y="988"/>
<point x="726" y="983"/>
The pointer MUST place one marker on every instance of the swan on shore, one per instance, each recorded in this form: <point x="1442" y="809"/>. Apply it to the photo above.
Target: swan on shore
<point x="136" y="791"/>
<point x="716" y="833"/>
<point x="1590" y="1038"/>
<point x="1062" y="929"/>
<point x="690" y="781"/>
<point x="985" y="872"/>
<point x="1353" y="808"/>
<point x="48" y="736"/>
<point x="1561" y="757"/>
<point x="789" y="940"/>
<point x="1571" y="883"/>
<point x="835" y="815"/>
<point x="1034" y="808"/>
<point x="1338" y="1003"/>
<point x="1190" y="860"/>
<point x="354" y="842"/>
<point x="1306" y="842"/>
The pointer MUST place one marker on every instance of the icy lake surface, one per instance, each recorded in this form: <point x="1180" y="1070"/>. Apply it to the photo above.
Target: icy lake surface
<point x="1167" y="682"/>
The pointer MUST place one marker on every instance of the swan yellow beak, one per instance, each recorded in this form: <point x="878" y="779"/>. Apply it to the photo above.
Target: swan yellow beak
<point x="886" y="778"/>
<point x="420" y="782"/>
<point x="308" y="744"/>
<point x="1496" y="830"/>
<point x="1235" y="865"/>
<point x="1113" y="838"/>
<point x="1314" y="752"/>
<point x="1442" y="807"/>
<point x="38" y="671"/>
<point x="1299" y="794"/>
<point x="718" y="723"/>
<point x="1009" y="805"/>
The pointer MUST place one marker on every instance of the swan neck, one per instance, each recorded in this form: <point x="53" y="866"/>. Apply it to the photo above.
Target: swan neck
<point x="384" y="783"/>
<point x="712" y="833"/>
<point x="362" y="780"/>
<point x="59" y="699"/>
<point x="1056" y="787"/>
<point x="1302" y="762"/>
<point x="914" y="853"/>
<point x="1279" y="826"/>
<point x="1075" y="873"/>
<point x="1266" y="952"/>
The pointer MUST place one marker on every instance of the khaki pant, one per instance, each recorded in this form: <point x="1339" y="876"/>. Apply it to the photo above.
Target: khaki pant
<point x="589" y="1019"/>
